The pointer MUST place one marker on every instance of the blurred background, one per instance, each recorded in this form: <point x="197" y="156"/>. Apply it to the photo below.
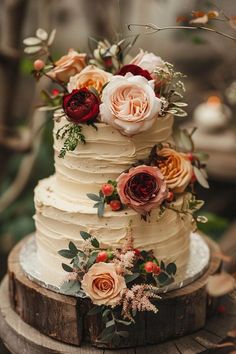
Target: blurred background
<point x="26" y="151"/>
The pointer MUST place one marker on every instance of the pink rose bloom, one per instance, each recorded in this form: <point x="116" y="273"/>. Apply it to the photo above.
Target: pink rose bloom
<point x="68" y="65"/>
<point x="148" y="61"/>
<point x="142" y="188"/>
<point x="103" y="285"/>
<point x="129" y="104"/>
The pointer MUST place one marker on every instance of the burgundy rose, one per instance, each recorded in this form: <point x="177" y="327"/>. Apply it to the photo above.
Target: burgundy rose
<point x="142" y="188"/>
<point x="81" y="106"/>
<point x="135" y="70"/>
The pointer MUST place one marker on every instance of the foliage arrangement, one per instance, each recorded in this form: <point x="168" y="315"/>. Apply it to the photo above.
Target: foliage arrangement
<point x="119" y="282"/>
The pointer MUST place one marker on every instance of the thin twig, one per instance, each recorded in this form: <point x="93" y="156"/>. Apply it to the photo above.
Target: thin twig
<point x="156" y="29"/>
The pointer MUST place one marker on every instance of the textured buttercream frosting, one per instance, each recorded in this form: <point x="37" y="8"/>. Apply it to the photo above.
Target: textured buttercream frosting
<point x="63" y="208"/>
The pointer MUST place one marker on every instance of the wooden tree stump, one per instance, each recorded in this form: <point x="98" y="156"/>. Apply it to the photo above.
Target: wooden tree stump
<point x="65" y="318"/>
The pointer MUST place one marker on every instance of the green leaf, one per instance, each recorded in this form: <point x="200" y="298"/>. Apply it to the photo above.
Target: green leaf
<point x="131" y="277"/>
<point x="32" y="50"/>
<point x="162" y="265"/>
<point x="180" y="104"/>
<point x="171" y="268"/>
<point x="73" y="248"/>
<point x="100" y="209"/>
<point x="125" y="323"/>
<point x="186" y="140"/>
<point x="95" y="243"/>
<point x="67" y="254"/>
<point x="201" y="156"/>
<point x="71" y="287"/>
<point x="200" y="177"/>
<point x="110" y="323"/>
<point x="162" y="277"/>
<point x="106" y="331"/>
<point x="67" y="268"/>
<point x="95" y="310"/>
<point x="92" y="259"/>
<point x="94" y="197"/>
<point x="32" y="41"/>
<point x="85" y="235"/>
<point x="124" y="334"/>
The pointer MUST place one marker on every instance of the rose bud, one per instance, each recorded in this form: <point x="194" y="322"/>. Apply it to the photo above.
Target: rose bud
<point x="55" y="92"/>
<point x="81" y="106"/>
<point x="107" y="189"/>
<point x="102" y="256"/>
<point x="135" y="70"/>
<point x="156" y="269"/>
<point x="137" y="252"/>
<point x="115" y="205"/>
<point x="149" y="266"/>
<point x="38" y="64"/>
<point x="119" y="269"/>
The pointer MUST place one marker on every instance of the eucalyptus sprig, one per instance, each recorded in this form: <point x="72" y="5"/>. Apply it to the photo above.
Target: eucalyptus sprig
<point x="72" y="133"/>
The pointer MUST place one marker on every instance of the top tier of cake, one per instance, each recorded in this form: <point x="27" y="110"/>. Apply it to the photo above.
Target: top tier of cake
<point x="105" y="155"/>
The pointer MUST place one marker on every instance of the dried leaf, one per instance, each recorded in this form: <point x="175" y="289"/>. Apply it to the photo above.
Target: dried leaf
<point x="186" y="140"/>
<point x="52" y="37"/>
<point x="42" y="34"/>
<point x="32" y="41"/>
<point x="199" y="20"/>
<point x="32" y="50"/>
<point x="220" y="284"/>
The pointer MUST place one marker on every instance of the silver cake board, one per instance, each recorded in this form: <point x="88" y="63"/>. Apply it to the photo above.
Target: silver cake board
<point x="199" y="259"/>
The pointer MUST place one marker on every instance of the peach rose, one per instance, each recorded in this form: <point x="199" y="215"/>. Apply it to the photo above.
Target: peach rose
<point x="129" y="104"/>
<point x="68" y="65"/>
<point x="91" y="76"/>
<point x="148" y="61"/>
<point x="142" y="188"/>
<point x="176" y="169"/>
<point x="103" y="285"/>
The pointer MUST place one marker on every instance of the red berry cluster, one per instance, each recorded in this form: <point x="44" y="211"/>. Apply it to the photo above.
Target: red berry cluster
<point x="152" y="267"/>
<point x="112" y="198"/>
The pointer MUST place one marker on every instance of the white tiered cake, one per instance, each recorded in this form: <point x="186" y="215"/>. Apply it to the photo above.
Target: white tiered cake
<point x="63" y="208"/>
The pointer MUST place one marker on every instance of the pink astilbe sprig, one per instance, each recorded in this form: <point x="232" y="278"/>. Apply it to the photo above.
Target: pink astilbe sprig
<point x="138" y="299"/>
<point x="125" y="257"/>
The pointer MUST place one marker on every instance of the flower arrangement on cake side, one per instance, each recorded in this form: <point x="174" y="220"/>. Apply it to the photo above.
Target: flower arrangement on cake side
<point x="118" y="282"/>
<point x="130" y="97"/>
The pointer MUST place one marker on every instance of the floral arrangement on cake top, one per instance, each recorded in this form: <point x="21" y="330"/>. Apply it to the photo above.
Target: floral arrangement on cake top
<point x="101" y="88"/>
<point x="118" y="282"/>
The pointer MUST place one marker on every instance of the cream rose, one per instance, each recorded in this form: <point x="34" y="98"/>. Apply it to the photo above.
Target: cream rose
<point x="148" y="61"/>
<point x="91" y="76"/>
<point x="103" y="285"/>
<point x="68" y="65"/>
<point x="129" y="104"/>
<point x="176" y="169"/>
